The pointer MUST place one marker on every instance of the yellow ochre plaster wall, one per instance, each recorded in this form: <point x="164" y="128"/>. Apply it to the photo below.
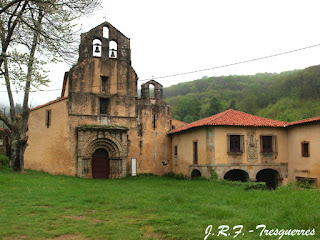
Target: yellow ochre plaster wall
<point x="49" y="147"/>
<point x="307" y="167"/>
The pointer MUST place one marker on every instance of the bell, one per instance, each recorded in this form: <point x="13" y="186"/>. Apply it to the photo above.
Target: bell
<point x="97" y="50"/>
<point x="112" y="54"/>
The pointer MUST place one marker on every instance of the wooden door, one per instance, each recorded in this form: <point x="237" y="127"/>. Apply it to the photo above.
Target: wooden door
<point x="100" y="164"/>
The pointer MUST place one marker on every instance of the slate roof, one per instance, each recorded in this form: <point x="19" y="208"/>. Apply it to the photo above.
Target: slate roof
<point x="236" y="118"/>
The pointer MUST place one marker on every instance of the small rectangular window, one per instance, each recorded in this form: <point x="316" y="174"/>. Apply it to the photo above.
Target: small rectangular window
<point x="104" y="105"/>
<point x="176" y="155"/>
<point x="154" y="122"/>
<point x="305" y="149"/>
<point x="235" y="145"/>
<point x="195" y="152"/>
<point x="104" y="81"/>
<point x="48" y="118"/>
<point x="267" y="144"/>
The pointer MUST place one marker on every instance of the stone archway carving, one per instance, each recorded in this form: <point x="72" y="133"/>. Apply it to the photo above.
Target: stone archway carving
<point x="114" y="141"/>
<point x="112" y="146"/>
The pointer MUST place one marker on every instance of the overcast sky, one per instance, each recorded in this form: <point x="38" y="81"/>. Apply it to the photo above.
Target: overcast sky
<point x="171" y="37"/>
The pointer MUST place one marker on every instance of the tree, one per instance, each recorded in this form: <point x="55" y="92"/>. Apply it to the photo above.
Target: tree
<point x="33" y="32"/>
<point x="214" y="107"/>
<point x="188" y="119"/>
<point x="188" y="105"/>
<point x="233" y="104"/>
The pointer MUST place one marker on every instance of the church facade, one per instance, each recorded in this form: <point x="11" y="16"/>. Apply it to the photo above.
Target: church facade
<point x="101" y="128"/>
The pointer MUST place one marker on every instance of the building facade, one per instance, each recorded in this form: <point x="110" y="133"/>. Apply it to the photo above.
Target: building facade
<point x="100" y="128"/>
<point x="240" y="146"/>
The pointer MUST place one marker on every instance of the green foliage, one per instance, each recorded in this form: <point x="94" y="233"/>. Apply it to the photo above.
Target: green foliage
<point x="214" y="175"/>
<point x="4" y="162"/>
<point x="188" y="119"/>
<point x="200" y="178"/>
<point x="256" y="185"/>
<point x="179" y="176"/>
<point x="186" y="108"/>
<point x="306" y="184"/>
<point x="215" y="107"/>
<point x="246" y="185"/>
<point x="287" y="96"/>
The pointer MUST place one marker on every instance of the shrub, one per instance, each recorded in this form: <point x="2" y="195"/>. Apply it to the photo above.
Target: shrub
<point x="4" y="162"/>
<point x="146" y="175"/>
<point x="214" y="175"/>
<point x="179" y="176"/>
<point x="247" y="185"/>
<point x="200" y="178"/>
<point x="305" y="183"/>
<point x="169" y="174"/>
<point x="256" y="185"/>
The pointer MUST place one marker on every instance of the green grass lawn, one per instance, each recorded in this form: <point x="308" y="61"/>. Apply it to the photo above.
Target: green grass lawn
<point x="40" y="206"/>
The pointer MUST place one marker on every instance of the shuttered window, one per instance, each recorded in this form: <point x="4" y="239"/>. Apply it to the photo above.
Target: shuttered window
<point x="235" y="143"/>
<point x="268" y="144"/>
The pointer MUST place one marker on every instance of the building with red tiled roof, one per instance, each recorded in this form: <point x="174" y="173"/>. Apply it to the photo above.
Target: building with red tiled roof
<point x="99" y="128"/>
<point x="232" y="118"/>
<point x="241" y="146"/>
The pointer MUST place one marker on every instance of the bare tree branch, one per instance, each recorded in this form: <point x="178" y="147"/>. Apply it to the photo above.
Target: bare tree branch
<point x="9" y="5"/>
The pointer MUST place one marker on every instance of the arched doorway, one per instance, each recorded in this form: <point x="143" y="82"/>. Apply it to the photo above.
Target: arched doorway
<point x="270" y="177"/>
<point x="195" y="173"/>
<point x="237" y="175"/>
<point x="100" y="164"/>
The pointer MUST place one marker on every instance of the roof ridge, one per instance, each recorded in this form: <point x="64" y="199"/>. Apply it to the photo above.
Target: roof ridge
<point x="232" y="117"/>
<point x="219" y="115"/>
<point x="48" y="103"/>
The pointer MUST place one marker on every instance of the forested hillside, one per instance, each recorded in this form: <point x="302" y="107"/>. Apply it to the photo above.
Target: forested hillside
<point x="287" y="96"/>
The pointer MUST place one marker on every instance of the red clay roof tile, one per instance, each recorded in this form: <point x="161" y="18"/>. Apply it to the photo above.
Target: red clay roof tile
<point x="308" y="120"/>
<point x="232" y="118"/>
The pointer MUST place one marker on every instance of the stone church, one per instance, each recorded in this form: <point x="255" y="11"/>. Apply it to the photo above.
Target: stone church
<point x="100" y="128"/>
